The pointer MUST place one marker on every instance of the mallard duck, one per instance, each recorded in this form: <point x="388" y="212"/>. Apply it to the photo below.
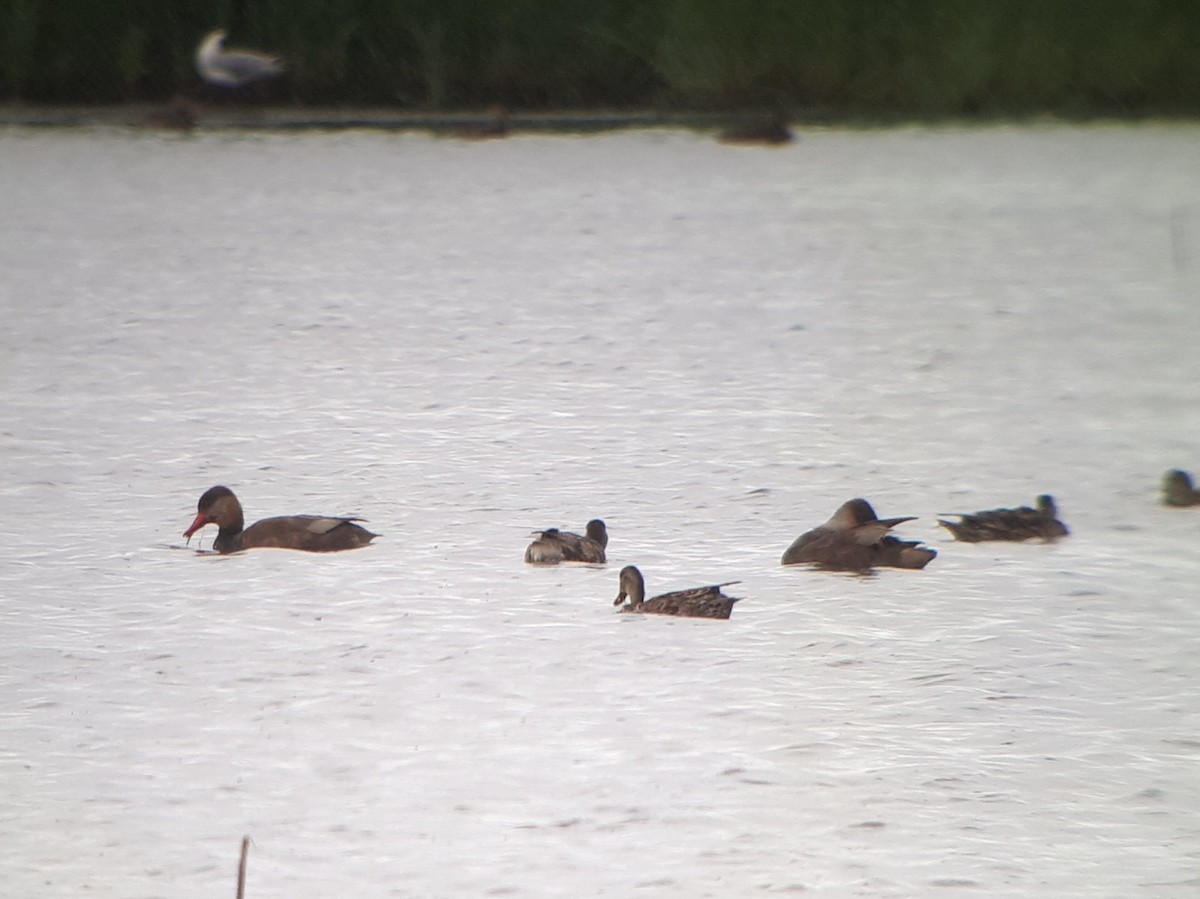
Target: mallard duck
<point x="698" y="602"/>
<point x="553" y="546"/>
<point x="313" y="533"/>
<point x="1021" y="523"/>
<point x="856" y="539"/>
<point x="1178" y="489"/>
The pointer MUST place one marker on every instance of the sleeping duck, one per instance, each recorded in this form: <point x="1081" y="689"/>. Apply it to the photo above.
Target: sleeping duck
<point x="553" y="546"/>
<point x="856" y="539"/>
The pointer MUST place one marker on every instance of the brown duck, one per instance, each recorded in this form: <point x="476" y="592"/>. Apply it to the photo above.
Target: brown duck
<point x="698" y="602"/>
<point x="856" y="539"/>
<point x="553" y="546"/>
<point x="1178" y="489"/>
<point x="1020" y="523"/>
<point x="314" y="533"/>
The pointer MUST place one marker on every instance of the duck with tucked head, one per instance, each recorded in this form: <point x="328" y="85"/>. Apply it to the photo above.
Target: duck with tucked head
<point x="698" y="602"/>
<point x="1015" y="525"/>
<point x="553" y="546"/>
<point x="1178" y="489"/>
<point x="856" y="539"/>
<point x="313" y="533"/>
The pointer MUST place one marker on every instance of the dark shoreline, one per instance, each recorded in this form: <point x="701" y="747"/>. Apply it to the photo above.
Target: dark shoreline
<point x="281" y="118"/>
<point x="188" y="115"/>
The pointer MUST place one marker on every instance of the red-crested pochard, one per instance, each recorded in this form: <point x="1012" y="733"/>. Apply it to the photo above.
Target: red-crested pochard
<point x="313" y="533"/>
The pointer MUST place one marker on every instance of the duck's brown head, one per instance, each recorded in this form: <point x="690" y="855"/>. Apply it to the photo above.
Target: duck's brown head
<point x="632" y="586"/>
<point x="1046" y="505"/>
<point x="1178" y="489"/>
<point x="217" y="506"/>
<point x="597" y="531"/>
<point x="851" y="514"/>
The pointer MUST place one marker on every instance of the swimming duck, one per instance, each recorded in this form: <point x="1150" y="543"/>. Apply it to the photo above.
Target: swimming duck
<point x="553" y="546"/>
<point x="1021" y="523"/>
<point x="855" y="539"/>
<point x="1178" y="489"/>
<point x="698" y="602"/>
<point x="233" y="68"/>
<point x="314" y="533"/>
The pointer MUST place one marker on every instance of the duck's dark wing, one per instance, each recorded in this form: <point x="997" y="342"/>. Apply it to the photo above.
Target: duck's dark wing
<point x="313" y="533"/>
<point x="839" y="550"/>
<point x="553" y="545"/>
<point x="893" y="552"/>
<point x="583" y="549"/>
<point x="318" y="524"/>
<point x="698" y="602"/>
<point x="961" y="531"/>
<point x="1013" y="525"/>
<point x="546" y="549"/>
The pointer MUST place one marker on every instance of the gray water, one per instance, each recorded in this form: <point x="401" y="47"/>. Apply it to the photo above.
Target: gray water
<point x="709" y="347"/>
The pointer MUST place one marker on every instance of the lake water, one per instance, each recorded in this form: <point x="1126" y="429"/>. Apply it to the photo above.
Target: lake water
<point x="710" y="347"/>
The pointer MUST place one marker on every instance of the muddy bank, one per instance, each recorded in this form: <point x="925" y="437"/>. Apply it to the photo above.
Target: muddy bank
<point x="463" y="124"/>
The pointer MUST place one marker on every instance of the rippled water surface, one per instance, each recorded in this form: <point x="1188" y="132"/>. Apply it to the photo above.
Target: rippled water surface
<point x="710" y="348"/>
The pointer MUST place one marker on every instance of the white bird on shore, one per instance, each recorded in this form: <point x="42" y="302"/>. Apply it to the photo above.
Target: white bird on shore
<point x="233" y="68"/>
